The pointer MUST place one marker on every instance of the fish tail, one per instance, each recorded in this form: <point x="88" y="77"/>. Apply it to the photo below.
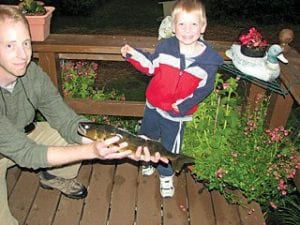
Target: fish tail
<point x="178" y="163"/>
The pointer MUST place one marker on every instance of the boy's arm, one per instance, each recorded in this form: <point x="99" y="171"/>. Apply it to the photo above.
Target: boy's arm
<point x="201" y="92"/>
<point x="142" y="61"/>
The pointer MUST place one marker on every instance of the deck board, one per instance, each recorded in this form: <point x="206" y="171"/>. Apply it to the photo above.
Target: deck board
<point x="124" y="195"/>
<point x="226" y="214"/>
<point x="101" y="184"/>
<point x="44" y="207"/>
<point x="148" y="200"/>
<point x="12" y="177"/>
<point x="120" y="195"/>
<point x="23" y="195"/>
<point x="175" y="208"/>
<point x="200" y="203"/>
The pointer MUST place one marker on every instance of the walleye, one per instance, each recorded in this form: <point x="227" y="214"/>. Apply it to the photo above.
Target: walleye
<point x="97" y="132"/>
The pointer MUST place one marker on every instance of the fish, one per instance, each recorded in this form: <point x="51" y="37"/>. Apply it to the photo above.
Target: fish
<point x="100" y="132"/>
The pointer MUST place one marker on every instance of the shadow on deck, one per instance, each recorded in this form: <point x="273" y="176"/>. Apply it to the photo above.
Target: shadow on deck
<point x="120" y="195"/>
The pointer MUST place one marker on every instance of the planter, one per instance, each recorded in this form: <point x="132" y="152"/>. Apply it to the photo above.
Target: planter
<point x="40" y="25"/>
<point x="253" y="52"/>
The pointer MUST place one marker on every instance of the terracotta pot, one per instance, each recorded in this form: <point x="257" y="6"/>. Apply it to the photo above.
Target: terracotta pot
<point x="40" y="25"/>
<point x="253" y="52"/>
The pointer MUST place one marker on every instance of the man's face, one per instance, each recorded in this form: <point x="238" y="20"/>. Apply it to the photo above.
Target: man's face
<point x="15" y="49"/>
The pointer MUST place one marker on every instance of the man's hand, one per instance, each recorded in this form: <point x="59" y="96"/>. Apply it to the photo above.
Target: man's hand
<point x="143" y="153"/>
<point x="111" y="149"/>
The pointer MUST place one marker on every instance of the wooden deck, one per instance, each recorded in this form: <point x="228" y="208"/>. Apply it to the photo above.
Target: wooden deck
<point x="120" y="195"/>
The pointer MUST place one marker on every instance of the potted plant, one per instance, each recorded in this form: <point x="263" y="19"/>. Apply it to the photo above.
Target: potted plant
<point x="252" y="43"/>
<point x="39" y="18"/>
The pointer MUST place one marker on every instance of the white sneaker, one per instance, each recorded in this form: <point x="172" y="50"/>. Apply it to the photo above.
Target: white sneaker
<point x="147" y="170"/>
<point x="166" y="186"/>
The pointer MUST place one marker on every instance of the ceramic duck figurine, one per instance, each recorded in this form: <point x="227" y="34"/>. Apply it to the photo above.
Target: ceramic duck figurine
<point x="266" y="68"/>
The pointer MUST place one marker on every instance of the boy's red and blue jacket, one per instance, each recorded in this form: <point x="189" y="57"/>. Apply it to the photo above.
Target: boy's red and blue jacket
<point x="172" y="80"/>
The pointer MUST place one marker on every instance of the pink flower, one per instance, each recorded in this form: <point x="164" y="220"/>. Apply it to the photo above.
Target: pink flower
<point x="253" y="39"/>
<point x="225" y="85"/>
<point x="220" y="173"/>
<point x="273" y="205"/>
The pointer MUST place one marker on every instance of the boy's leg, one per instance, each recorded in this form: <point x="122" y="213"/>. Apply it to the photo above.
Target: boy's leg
<point x="171" y="138"/>
<point x="149" y="128"/>
<point x="61" y="178"/>
<point x="6" y="217"/>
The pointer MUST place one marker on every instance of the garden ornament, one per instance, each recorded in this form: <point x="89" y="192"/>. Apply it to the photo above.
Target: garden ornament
<point x="286" y="36"/>
<point x="165" y="28"/>
<point x="266" y="68"/>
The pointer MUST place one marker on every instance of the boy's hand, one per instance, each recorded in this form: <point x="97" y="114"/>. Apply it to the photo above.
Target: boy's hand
<point x="175" y="107"/>
<point x="126" y="49"/>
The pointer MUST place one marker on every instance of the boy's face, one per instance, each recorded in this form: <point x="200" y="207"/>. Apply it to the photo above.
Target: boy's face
<point x="15" y="49"/>
<point x="188" y="27"/>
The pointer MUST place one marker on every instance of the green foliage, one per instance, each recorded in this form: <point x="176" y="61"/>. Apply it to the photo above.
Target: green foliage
<point x="78" y="81"/>
<point x="32" y="7"/>
<point x="129" y="123"/>
<point x="261" y="11"/>
<point x="287" y="214"/>
<point x="234" y="150"/>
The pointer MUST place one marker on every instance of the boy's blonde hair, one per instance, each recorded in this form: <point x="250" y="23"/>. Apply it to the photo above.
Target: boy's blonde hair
<point x="13" y="13"/>
<point x="190" y="6"/>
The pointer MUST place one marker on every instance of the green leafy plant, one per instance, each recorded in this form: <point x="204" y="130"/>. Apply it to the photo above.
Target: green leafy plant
<point x="234" y="150"/>
<point x="32" y="7"/>
<point x="78" y="81"/>
<point x="287" y="214"/>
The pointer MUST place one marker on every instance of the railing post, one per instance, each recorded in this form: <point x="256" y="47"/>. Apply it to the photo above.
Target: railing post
<point x="49" y="61"/>
<point x="279" y="110"/>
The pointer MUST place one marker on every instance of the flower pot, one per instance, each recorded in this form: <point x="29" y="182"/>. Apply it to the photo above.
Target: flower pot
<point x="40" y="25"/>
<point x="253" y="52"/>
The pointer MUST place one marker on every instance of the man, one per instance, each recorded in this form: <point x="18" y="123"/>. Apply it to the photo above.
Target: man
<point x="25" y="88"/>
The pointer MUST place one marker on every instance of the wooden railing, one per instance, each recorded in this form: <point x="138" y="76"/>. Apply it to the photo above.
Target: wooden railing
<point x="93" y="47"/>
<point x="107" y="47"/>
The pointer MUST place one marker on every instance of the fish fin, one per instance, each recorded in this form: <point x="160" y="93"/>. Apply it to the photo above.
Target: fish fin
<point x="182" y="160"/>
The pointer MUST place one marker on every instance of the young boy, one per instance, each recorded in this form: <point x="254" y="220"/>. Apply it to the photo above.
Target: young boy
<point x="183" y="71"/>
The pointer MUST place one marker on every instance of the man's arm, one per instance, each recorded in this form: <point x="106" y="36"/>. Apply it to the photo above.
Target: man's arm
<point x="98" y="150"/>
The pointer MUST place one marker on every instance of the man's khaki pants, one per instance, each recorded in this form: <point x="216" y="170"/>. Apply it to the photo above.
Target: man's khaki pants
<point x="42" y="134"/>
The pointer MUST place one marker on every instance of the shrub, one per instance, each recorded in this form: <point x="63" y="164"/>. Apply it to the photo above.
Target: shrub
<point x="78" y="81"/>
<point x="233" y="150"/>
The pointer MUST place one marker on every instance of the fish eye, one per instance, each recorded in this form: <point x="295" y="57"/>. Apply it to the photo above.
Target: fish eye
<point x="120" y="136"/>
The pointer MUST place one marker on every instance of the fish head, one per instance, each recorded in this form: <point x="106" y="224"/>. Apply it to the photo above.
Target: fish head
<point x="95" y="131"/>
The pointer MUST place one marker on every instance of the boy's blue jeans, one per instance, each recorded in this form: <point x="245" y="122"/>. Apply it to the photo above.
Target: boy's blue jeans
<point x="169" y="133"/>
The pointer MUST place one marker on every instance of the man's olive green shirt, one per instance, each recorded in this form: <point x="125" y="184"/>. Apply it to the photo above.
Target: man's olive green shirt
<point x="33" y="91"/>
